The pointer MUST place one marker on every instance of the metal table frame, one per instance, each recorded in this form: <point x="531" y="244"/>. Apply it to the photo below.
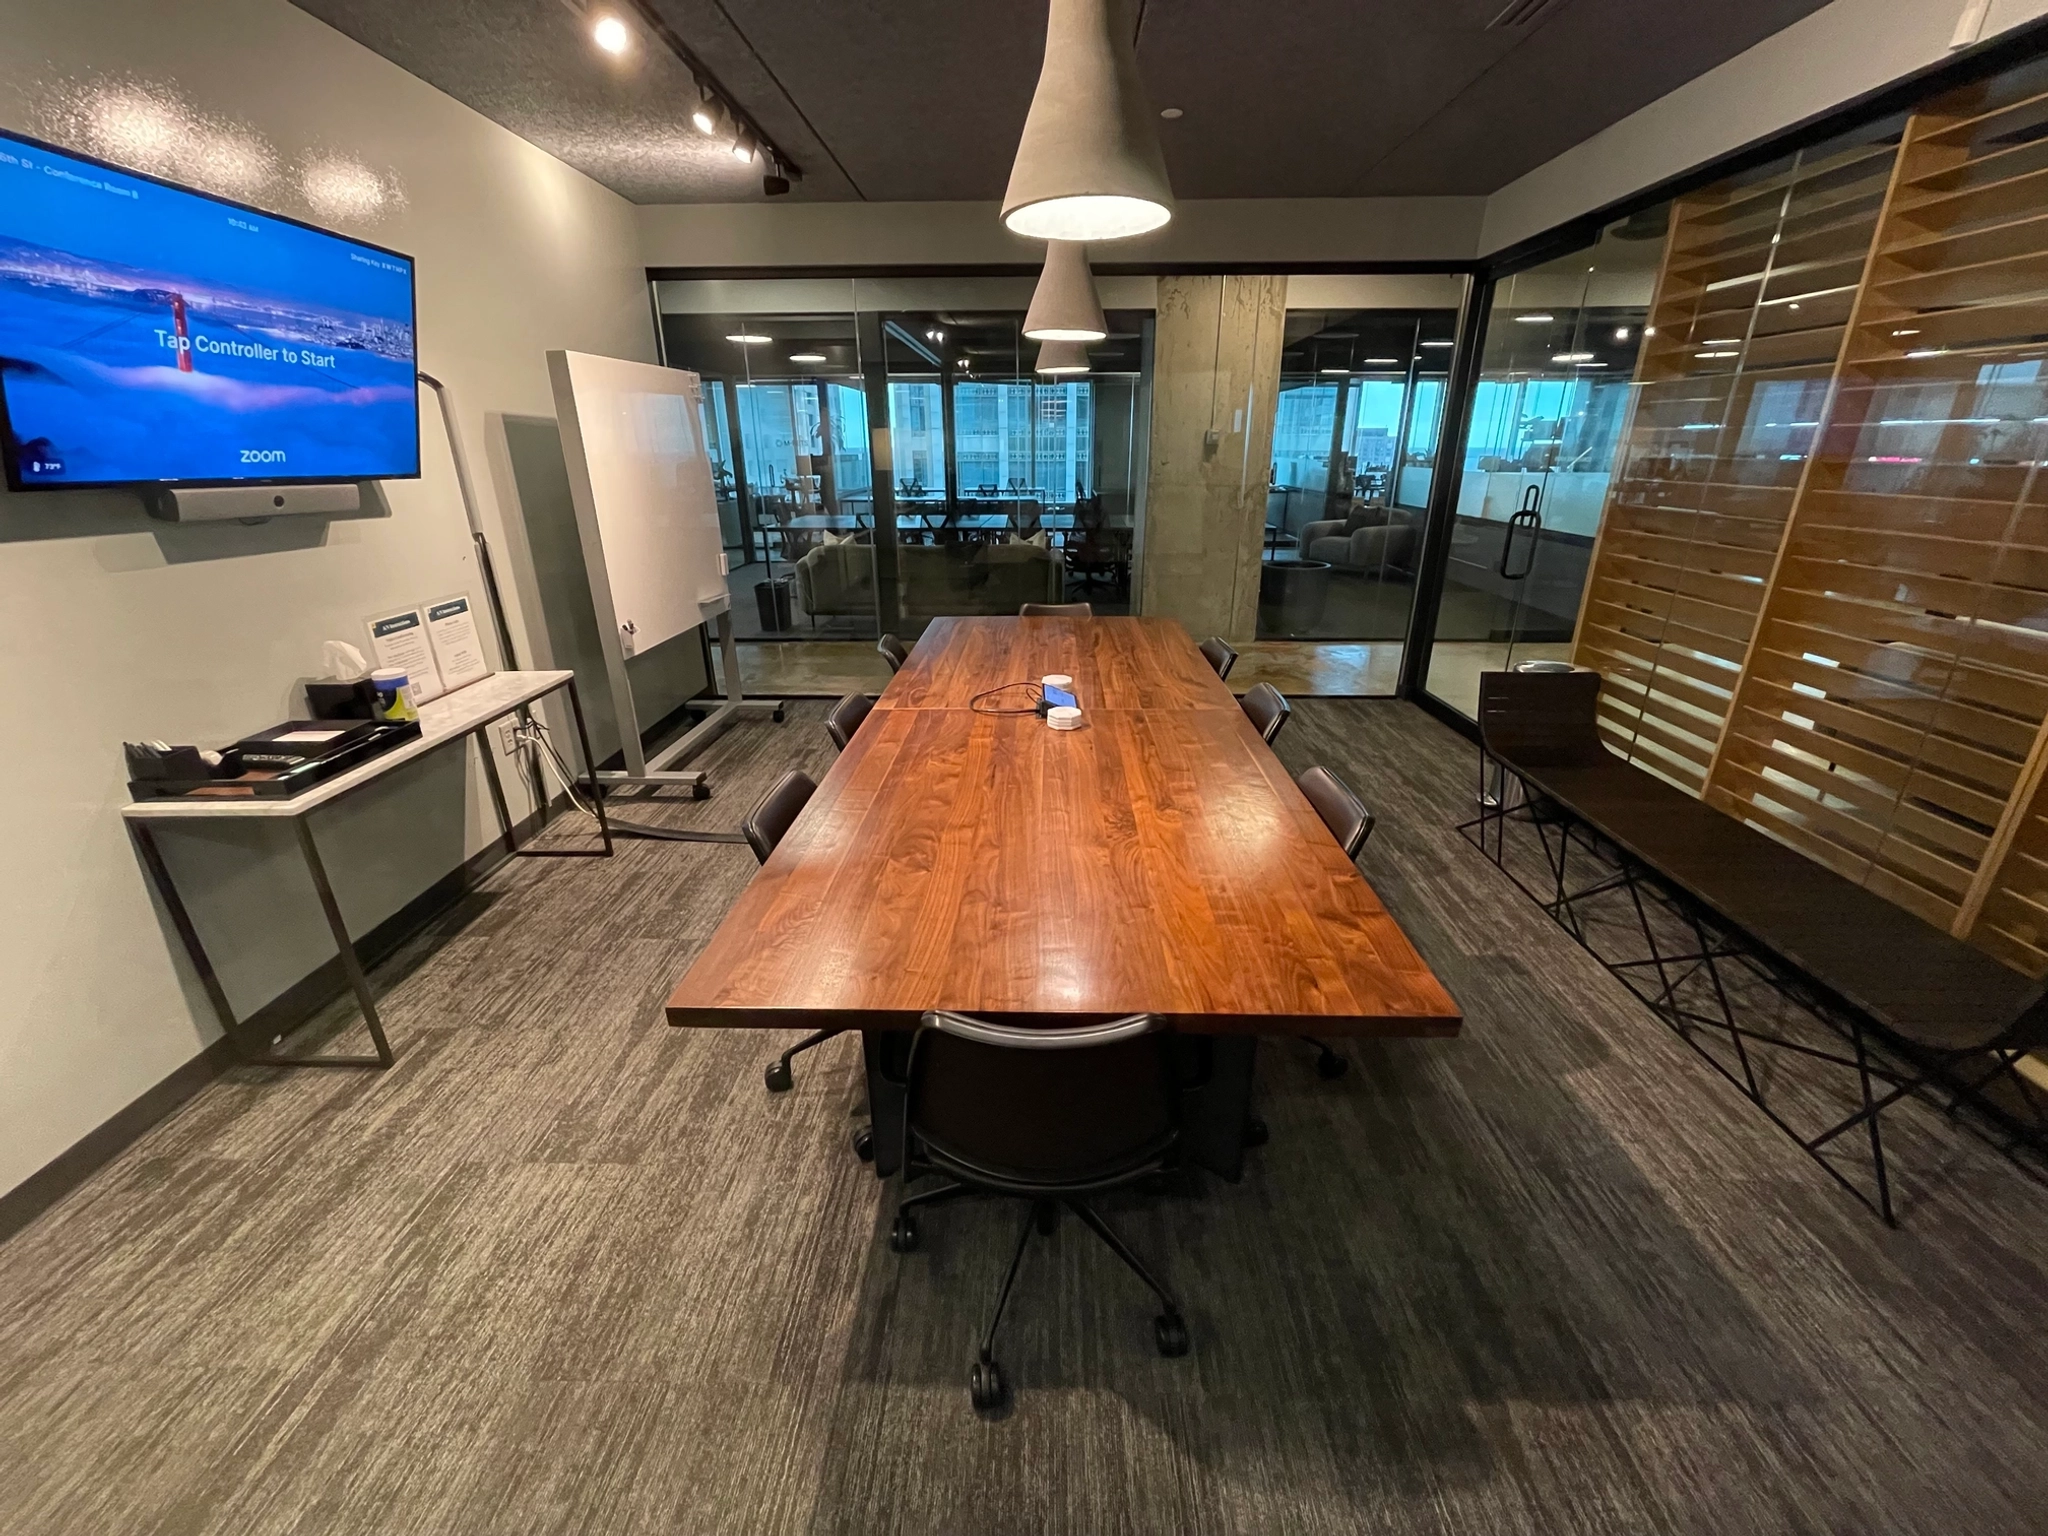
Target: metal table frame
<point x="351" y="962"/>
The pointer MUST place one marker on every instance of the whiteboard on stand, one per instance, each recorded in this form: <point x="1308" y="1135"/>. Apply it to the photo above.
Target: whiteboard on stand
<point x="646" y="510"/>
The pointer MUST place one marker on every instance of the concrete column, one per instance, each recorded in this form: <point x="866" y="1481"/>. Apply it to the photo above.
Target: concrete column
<point x="1215" y="376"/>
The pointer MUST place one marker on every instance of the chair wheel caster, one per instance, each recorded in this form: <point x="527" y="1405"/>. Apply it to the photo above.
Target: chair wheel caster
<point x="864" y="1144"/>
<point x="1255" y="1132"/>
<point x="985" y="1384"/>
<point x="1171" y="1334"/>
<point x="903" y="1234"/>
<point x="777" y="1077"/>
<point x="1330" y="1065"/>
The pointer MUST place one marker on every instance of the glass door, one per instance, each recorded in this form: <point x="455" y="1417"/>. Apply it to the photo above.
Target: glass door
<point x="1548" y="412"/>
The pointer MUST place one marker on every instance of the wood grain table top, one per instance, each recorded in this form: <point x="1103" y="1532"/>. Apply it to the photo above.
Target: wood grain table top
<point x="1158" y="860"/>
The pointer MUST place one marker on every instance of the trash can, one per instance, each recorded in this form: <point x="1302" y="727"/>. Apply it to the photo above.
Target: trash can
<point x="773" y="597"/>
<point x="1292" y="595"/>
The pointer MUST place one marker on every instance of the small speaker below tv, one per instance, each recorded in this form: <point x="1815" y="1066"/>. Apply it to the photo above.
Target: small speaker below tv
<point x="228" y="503"/>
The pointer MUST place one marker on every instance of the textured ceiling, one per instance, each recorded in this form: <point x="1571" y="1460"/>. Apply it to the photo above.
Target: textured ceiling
<point x="914" y="100"/>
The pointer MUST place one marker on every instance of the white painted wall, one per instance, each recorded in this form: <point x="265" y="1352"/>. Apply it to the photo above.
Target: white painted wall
<point x="114" y="627"/>
<point x="880" y="234"/>
<point x="1832" y="57"/>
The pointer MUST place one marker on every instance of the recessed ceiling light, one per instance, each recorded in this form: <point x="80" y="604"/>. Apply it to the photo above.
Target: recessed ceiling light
<point x="1169" y="113"/>
<point x="1717" y="354"/>
<point x="1721" y="341"/>
<point x="1905" y="333"/>
<point x="807" y="357"/>
<point x="1927" y="352"/>
<point x="1382" y="362"/>
<point x="749" y="339"/>
<point x="1571" y="357"/>
<point x="1439" y="343"/>
<point x="611" y="34"/>
<point x="1621" y="333"/>
<point x="1335" y="370"/>
<point x="1536" y="319"/>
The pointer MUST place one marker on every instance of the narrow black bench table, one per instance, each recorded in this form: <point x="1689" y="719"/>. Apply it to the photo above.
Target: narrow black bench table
<point x="1949" y="1004"/>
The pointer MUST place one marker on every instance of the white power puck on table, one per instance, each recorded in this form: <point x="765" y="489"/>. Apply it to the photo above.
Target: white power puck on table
<point x="1063" y="717"/>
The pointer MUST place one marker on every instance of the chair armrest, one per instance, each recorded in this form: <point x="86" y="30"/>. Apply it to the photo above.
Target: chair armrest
<point x="1326" y="530"/>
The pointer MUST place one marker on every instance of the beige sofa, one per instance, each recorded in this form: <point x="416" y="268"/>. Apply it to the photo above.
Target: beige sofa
<point x="935" y="579"/>
<point x="1369" y="540"/>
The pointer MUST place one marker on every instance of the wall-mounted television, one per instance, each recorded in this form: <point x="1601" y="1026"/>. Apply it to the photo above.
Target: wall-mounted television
<point x="153" y="335"/>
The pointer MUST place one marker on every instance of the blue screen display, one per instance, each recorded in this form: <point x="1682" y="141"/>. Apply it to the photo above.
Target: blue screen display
<point x="151" y="334"/>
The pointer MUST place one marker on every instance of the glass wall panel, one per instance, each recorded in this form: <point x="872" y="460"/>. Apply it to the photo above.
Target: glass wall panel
<point x="786" y="410"/>
<point x="1356" y="425"/>
<point x="990" y="485"/>
<point x="1011" y="486"/>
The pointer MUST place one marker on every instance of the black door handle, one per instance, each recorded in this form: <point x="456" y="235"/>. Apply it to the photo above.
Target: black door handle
<point x="1527" y="517"/>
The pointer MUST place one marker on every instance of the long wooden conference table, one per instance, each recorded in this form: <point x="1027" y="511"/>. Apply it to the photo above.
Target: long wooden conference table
<point x="1158" y="860"/>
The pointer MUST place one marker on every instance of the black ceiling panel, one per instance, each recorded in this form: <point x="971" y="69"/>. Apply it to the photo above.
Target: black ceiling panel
<point x="922" y="100"/>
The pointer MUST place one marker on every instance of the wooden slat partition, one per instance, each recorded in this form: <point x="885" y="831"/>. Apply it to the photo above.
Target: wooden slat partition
<point x="1889" y="720"/>
<point x="1752" y="308"/>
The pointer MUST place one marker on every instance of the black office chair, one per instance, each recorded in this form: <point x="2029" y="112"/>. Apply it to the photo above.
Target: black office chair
<point x="844" y="718"/>
<point x="1268" y="709"/>
<point x="1056" y="611"/>
<point x="1342" y="811"/>
<point x="1351" y="824"/>
<point x="1047" y="1115"/>
<point x="893" y="652"/>
<point x="1217" y="652"/>
<point x="764" y="828"/>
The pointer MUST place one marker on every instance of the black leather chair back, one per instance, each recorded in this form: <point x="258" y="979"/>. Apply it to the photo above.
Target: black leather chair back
<point x="1268" y="709"/>
<point x="1342" y="811"/>
<point x="1056" y="611"/>
<point x="779" y="808"/>
<point x="893" y="652"/>
<point x="1040" y="1108"/>
<point x="1218" y="653"/>
<point x="1541" y="719"/>
<point x="845" y="717"/>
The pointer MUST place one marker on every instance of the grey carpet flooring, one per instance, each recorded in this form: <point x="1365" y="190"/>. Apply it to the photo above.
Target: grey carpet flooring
<point x="566" y="1270"/>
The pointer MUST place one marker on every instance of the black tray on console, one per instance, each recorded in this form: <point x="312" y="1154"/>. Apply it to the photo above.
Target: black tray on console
<point x="361" y="741"/>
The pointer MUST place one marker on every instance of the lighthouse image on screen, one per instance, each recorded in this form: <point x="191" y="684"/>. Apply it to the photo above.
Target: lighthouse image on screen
<point x="153" y="335"/>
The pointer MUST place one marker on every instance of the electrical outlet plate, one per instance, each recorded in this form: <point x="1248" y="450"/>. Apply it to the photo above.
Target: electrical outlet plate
<point x="508" y="738"/>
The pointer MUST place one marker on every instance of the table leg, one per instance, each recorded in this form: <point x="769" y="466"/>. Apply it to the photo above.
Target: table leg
<point x="604" y="827"/>
<point x="351" y="965"/>
<point x="160" y="877"/>
<point x="1214" y="1113"/>
<point x="483" y="745"/>
<point x="181" y="919"/>
<point x="886" y="1053"/>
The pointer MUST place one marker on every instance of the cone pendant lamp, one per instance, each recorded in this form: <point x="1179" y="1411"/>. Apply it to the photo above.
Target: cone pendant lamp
<point x="1064" y="307"/>
<point x="1089" y="165"/>
<point x="1061" y="357"/>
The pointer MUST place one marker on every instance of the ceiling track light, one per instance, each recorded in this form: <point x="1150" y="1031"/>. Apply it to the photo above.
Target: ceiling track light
<point x="714" y="113"/>
<point x="1064" y="306"/>
<point x="1088" y="166"/>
